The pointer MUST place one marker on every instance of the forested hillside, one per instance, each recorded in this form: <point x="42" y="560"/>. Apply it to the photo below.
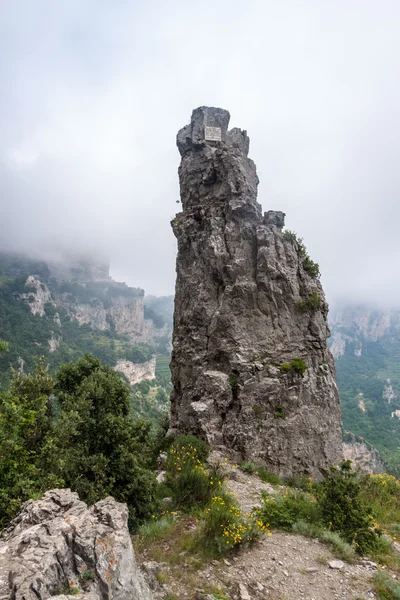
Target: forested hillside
<point x="58" y="312"/>
<point x="366" y="345"/>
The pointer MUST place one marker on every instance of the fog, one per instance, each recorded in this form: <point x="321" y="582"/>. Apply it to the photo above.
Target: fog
<point x="93" y="93"/>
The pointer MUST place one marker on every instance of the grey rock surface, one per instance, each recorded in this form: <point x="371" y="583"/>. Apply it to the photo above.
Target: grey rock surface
<point x="238" y="316"/>
<point x="57" y="545"/>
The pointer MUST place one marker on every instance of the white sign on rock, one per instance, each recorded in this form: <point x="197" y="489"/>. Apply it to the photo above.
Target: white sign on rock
<point x="212" y="134"/>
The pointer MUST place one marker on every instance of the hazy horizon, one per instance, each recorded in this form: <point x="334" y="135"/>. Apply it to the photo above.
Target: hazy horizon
<point x="94" y="94"/>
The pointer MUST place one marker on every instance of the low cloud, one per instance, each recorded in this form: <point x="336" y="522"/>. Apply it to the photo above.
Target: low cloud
<point x="94" y="93"/>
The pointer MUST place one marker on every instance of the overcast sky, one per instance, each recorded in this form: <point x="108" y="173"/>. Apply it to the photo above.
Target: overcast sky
<point x="92" y="93"/>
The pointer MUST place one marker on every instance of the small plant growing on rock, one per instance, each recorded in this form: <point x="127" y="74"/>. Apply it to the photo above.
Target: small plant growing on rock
<point x="248" y="467"/>
<point x="233" y="380"/>
<point x="311" y="303"/>
<point x="280" y="412"/>
<point x="87" y="575"/>
<point x="311" y="267"/>
<point x="297" y="365"/>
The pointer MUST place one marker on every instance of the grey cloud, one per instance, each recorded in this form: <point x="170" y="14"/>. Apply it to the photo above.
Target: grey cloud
<point x="94" y="92"/>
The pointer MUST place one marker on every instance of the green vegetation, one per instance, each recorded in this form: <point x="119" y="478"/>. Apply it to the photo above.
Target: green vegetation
<point x="224" y="526"/>
<point x="336" y="505"/>
<point x="361" y="380"/>
<point x="386" y="588"/>
<point x="189" y="482"/>
<point x="76" y="431"/>
<point x="233" y="380"/>
<point x="309" y="265"/>
<point x="311" y="303"/>
<point x="297" y="365"/>
<point x="261" y="472"/>
<point x="279" y="412"/>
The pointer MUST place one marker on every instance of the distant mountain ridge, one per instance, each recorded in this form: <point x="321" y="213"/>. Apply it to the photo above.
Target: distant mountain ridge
<point x="365" y="342"/>
<point x="59" y="310"/>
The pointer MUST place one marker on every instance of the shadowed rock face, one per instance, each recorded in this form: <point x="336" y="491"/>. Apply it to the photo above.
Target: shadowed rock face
<point x="240" y="314"/>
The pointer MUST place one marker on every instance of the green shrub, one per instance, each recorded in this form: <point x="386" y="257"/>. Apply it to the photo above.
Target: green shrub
<point x="297" y="365"/>
<point x="248" y="467"/>
<point x="344" y="510"/>
<point x="300" y="482"/>
<point x="268" y="477"/>
<point x="225" y="527"/>
<point x="311" y="303"/>
<point x="186" y="475"/>
<point x="156" y="529"/>
<point x="283" y="510"/>
<point x="200" y="448"/>
<point x="386" y="588"/>
<point x="382" y="493"/>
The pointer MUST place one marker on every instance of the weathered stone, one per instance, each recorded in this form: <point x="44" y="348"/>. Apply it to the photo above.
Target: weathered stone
<point x="363" y="455"/>
<point x="237" y="317"/>
<point x="336" y="564"/>
<point x="57" y="545"/>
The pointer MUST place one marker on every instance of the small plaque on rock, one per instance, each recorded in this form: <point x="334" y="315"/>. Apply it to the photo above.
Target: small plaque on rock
<point x="212" y="134"/>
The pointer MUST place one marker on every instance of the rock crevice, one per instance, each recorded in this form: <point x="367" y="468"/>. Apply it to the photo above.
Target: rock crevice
<point x="245" y="306"/>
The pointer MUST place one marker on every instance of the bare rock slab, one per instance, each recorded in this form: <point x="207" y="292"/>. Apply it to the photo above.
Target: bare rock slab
<point x="57" y="545"/>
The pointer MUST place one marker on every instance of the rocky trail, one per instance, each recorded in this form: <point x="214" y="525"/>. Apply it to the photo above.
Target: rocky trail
<point x="280" y="566"/>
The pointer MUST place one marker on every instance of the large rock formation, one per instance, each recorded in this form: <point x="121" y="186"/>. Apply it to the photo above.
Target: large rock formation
<point x="248" y="302"/>
<point x="57" y="546"/>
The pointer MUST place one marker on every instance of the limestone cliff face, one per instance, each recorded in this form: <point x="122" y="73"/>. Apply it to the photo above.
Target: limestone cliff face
<point x="362" y="454"/>
<point x="135" y="373"/>
<point x="243" y="309"/>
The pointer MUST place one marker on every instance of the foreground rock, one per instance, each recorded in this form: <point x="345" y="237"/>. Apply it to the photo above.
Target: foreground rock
<point x="246" y="303"/>
<point x="58" y="546"/>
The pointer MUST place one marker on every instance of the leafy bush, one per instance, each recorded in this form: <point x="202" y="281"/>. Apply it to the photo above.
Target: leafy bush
<point x="95" y="447"/>
<point x="311" y="303"/>
<point x="248" y="467"/>
<point x="25" y="421"/>
<point x="300" y="482"/>
<point x="268" y="477"/>
<point x="344" y="510"/>
<point x="382" y="493"/>
<point x="297" y="365"/>
<point x="263" y="474"/>
<point x="283" y="510"/>
<point x="225" y="527"/>
<point x="187" y="477"/>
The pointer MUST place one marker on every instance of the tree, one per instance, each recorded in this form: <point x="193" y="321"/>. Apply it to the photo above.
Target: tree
<point x="96" y="447"/>
<point x="25" y="422"/>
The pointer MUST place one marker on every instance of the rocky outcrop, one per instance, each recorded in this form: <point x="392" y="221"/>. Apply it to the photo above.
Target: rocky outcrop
<point x="37" y="296"/>
<point x="248" y="302"/>
<point x="363" y="455"/>
<point x="135" y="373"/>
<point x="57" y="546"/>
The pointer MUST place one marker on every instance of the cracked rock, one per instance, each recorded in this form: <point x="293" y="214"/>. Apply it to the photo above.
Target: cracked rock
<point x="246" y="304"/>
<point x="57" y="546"/>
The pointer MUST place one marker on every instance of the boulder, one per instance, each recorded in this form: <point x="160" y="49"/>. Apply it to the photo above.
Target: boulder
<point x="58" y="545"/>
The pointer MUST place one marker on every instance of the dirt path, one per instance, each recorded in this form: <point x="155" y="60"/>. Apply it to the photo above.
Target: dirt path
<point x="281" y="566"/>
